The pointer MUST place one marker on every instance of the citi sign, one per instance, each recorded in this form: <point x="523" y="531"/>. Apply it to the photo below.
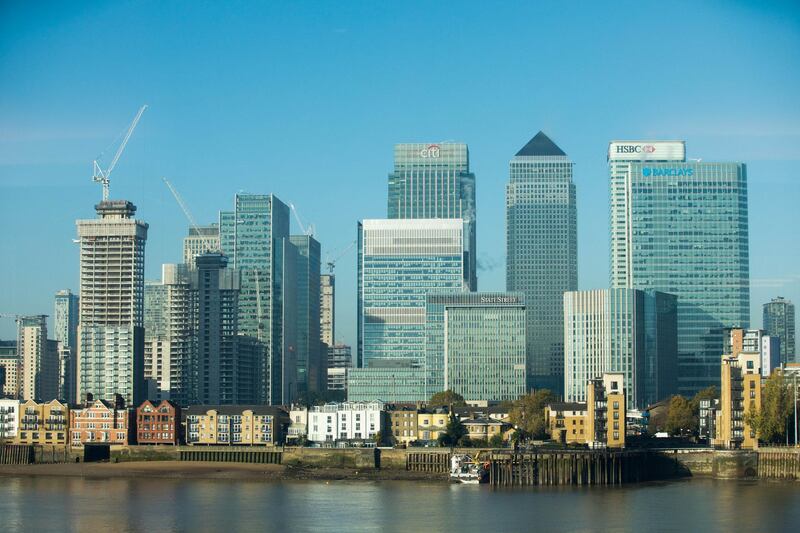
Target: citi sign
<point x="654" y="171"/>
<point x="432" y="150"/>
<point x="635" y="148"/>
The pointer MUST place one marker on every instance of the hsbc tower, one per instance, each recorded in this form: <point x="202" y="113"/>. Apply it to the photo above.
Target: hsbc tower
<point x="681" y="227"/>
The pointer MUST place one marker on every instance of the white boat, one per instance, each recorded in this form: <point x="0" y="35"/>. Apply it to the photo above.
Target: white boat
<point x="465" y="469"/>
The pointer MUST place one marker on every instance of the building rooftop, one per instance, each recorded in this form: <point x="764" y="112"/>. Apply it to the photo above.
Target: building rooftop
<point x="540" y="145"/>
<point x="567" y="406"/>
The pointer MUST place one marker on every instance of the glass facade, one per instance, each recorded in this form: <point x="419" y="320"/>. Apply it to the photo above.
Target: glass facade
<point x="682" y="228"/>
<point x="402" y="382"/>
<point x="779" y="321"/>
<point x="475" y="345"/>
<point x="541" y="248"/>
<point x="434" y="181"/>
<point x="308" y="348"/>
<point x="621" y="330"/>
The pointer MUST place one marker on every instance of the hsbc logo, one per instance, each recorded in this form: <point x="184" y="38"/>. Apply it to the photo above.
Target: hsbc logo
<point x="635" y="148"/>
<point x="431" y="151"/>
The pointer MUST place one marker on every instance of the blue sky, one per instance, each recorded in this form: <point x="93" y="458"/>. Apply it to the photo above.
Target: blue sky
<point x="305" y="100"/>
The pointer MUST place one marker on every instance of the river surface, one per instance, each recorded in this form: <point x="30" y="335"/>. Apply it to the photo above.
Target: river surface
<point x="151" y="505"/>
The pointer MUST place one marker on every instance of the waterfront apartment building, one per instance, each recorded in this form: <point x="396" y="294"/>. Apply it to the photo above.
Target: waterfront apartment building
<point x="43" y="423"/>
<point x="542" y="251"/>
<point x="475" y="345"/>
<point x="431" y="423"/>
<point x="235" y="425"/>
<point x="66" y="334"/>
<point x="400" y="261"/>
<point x="779" y="321"/>
<point x="621" y="330"/>
<point x="255" y="236"/>
<point x="340" y="360"/>
<point x="402" y="424"/>
<point x="102" y="421"/>
<point x="740" y="394"/>
<point x="433" y="180"/>
<point x="755" y="341"/>
<point x="9" y="363"/>
<point x="9" y="419"/>
<point x="606" y="413"/>
<point x="158" y="423"/>
<point x="38" y="359"/>
<point x="681" y="227"/>
<point x="111" y="316"/>
<point x="308" y="347"/>
<point x="567" y="422"/>
<point x="327" y="309"/>
<point x="201" y="240"/>
<point x="335" y="424"/>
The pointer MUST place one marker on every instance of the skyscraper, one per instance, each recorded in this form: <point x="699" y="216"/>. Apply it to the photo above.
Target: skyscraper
<point x="327" y="309"/>
<point x="201" y="239"/>
<point x="434" y="181"/>
<point x="110" y="328"/>
<point x="255" y="236"/>
<point x="627" y="331"/>
<point x="779" y="321"/>
<point x="311" y="361"/>
<point x="38" y="359"/>
<point x="682" y="228"/>
<point x="542" y="251"/>
<point x="66" y="333"/>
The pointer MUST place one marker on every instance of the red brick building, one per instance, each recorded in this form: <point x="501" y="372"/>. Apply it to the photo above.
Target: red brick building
<point x="158" y="424"/>
<point x="101" y="421"/>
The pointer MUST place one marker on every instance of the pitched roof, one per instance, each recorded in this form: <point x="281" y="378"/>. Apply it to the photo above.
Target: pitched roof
<point x="540" y="145"/>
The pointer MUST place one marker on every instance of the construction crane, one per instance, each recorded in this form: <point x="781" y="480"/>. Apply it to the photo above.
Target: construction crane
<point x="104" y="176"/>
<point x="306" y="230"/>
<point x="332" y="262"/>
<point x="208" y="245"/>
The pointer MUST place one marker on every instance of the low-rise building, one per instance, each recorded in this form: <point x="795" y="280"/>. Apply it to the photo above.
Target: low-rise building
<point x="347" y="423"/>
<point x="605" y="402"/>
<point x="298" y="424"/>
<point x="431" y="424"/>
<point x="566" y="422"/>
<point x="9" y="419"/>
<point x="707" y="420"/>
<point x="483" y="429"/>
<point x="235" y="425"/>
<point x="43" y="422"/>
<point x="158" y="423"/>
<point x="101" y="421"/>
<point x="403" y="423"/>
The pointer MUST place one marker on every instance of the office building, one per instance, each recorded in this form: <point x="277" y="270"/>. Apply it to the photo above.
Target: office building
<point x="38" y="359"/>
<point x="340" y="360"/>
<point x="111" y="318"/>
<point x="9" y="418"/>
<point x="43" y="423"/>
<point x="327" y="309"/>
<point x="255" y="237"/>
<point x="9" y="362"/>
<point x="102" y="421"/>
<point x="66" y="334"/>
<point x="434" y="181"/>
<point x="158" y="423"/>
<point x="621" y="330"/>
<point x="681" y="227"/>
<point x="779" y="321"/>
<point x="475" y="345"/>
<point x="387" y="380"/>
<point x="542" y="251"/>
<point x="235" y="425"/>
<point x="201" y="240"/>
<point x="308" y="348"/>
<point x="347" y="423"/>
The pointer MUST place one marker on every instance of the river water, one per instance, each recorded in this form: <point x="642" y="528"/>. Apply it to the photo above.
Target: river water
<point x="151" y="505"/>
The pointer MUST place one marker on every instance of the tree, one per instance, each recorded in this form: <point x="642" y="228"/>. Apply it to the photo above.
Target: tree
<point x="770" y="422"/>
<point x="527" y="413"/>
<point x="446" y="399"/>
<point x="378" y="438"/>
<point x="709" y="393"/>
<point x="680" y="416"/>
<point x="497" y="441"/>
<point x="454" y="433"/>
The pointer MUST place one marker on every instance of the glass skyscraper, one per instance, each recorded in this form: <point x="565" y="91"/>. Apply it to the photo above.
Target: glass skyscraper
<point x="542" y="251"/>
<point x="434" y="181"/>
<point x="621" y="330"/>
<point x="310" y="358"/>
<point x="779" y="321"/>
<point x="682" y="228"/>
<point x="66" y="332"/>
<point x="475" y="345"/>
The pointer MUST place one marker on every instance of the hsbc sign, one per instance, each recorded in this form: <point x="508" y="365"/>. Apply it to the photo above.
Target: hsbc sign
<point x="647" y="151"/>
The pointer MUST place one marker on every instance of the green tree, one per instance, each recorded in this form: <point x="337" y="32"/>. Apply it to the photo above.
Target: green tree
<point x="770" y="421"/>
<point x="446" y="399"/>
<point x="378" y="438"/>
<point x="497" y="441"/>
<point x="680" y="416"/>
<point x="527" y="413"/>
<point x="454" y="433"/>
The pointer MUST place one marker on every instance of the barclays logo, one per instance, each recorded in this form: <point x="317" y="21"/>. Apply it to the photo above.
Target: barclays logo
<point x="671" y="172"/>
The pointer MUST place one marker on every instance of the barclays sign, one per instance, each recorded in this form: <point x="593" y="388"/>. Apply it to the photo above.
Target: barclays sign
<point x="668" y="172"/>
